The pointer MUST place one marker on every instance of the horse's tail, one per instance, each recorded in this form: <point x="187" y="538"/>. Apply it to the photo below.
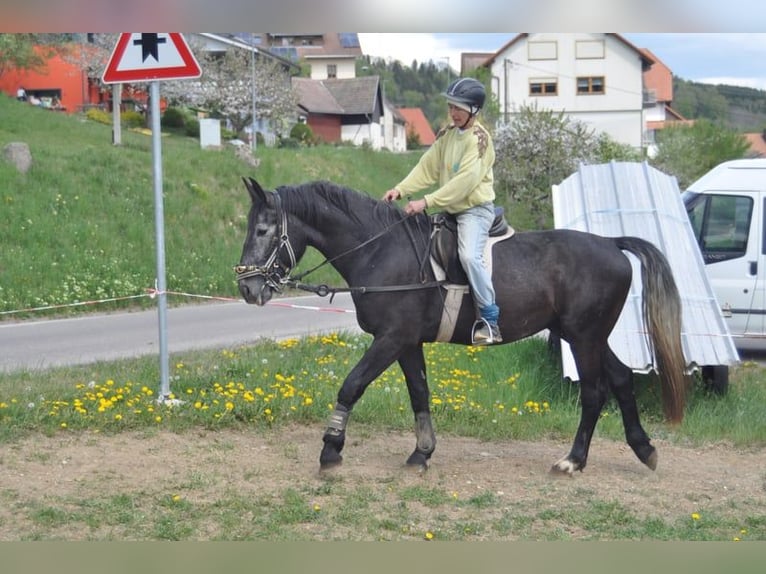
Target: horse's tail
<point x="662" y="315"/>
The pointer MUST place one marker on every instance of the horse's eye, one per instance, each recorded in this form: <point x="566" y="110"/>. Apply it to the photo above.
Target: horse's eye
<point x="261" y="231"/>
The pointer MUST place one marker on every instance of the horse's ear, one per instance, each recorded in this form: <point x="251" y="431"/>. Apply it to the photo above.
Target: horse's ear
<point x="256" y="191"/>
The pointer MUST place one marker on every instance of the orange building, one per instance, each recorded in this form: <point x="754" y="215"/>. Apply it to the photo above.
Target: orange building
<point x="64" y="80"/>
<point x="58" y="78"/>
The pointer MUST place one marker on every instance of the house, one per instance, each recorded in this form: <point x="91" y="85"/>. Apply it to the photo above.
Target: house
<point x="658" y="99"/>
<point x="330" y="56"/>
<point x="60" y="78"/>
<point x="595" y="78"/>
<point x="350" y="110"/>
<point x="415" y="122"/>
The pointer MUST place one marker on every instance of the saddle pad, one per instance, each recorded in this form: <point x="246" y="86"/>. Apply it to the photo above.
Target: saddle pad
<point x="454" y="298"/>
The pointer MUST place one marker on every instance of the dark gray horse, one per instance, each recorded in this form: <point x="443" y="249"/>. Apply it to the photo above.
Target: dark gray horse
<point x="572" y="283"/>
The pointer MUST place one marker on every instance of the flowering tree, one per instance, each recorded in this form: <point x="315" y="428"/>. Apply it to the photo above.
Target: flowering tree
<point x="227" y="85"/>
<point x="539" y="148"/>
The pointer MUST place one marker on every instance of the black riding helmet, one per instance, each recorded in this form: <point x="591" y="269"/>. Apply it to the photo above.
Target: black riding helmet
<point x="466" y="93"/>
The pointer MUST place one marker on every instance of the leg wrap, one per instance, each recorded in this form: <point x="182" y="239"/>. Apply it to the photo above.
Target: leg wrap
<point x="336" y="425"/>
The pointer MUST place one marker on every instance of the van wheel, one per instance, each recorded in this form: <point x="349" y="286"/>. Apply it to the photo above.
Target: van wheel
<point x="716" y="378"/>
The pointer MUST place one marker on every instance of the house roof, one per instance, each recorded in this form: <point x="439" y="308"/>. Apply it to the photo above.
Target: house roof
<point x="757" y="143"/>
<point x="349" y="96"/>
<point x="646" y="59"/>
<point x="658" y="78"/>
<point x="416" y="121"/>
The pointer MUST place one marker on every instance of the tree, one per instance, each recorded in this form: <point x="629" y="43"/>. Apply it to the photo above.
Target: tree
<point x="538" y="149"/>
<point x="18" y="51"/>
<point x="688" y="152"/>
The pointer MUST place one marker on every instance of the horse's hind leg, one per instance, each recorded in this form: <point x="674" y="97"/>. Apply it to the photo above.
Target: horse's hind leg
<point x="413" y="366"/>
<point x="621" y="382"/>
<point x="593" y="393"/>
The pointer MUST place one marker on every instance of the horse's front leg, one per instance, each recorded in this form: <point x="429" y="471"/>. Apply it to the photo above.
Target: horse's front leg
<point x="413" y="366"/>
<point x="381" y="354"/>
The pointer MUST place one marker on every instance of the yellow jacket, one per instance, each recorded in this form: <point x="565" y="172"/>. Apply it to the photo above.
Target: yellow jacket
<point x="460" y="163"/>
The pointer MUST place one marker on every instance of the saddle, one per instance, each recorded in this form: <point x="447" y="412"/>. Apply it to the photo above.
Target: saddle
<point x="444" y="243"/>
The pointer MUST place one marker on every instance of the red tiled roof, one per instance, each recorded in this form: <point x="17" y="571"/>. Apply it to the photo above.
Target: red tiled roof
<point x="757" y="144"/>
<point x="658" y="78"/>
<point x="415" y="120"/>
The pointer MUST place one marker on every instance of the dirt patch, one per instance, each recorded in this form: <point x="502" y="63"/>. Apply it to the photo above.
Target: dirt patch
<point x="201" y="465"/>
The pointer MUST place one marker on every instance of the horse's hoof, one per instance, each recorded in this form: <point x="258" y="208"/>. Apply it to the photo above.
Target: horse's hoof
<point x="564" y="467"/>
<point x="418" y="462"/>
<point x="329" y="458"/>
<point x="651" y="461"/>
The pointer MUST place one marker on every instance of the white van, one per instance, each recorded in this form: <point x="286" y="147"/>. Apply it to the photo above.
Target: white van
<point x="726" y="209"/>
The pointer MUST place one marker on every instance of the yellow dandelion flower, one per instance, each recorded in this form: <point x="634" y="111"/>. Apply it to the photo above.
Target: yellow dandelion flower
<point x="63" y="425"/>
<point x="229" y="406"/>
<point x="317" y="508"/>
<point x="176" y="498"/>
<point x="429" y="535"/>
<point x="158" y="419"/>
<point x="696" y="516"/>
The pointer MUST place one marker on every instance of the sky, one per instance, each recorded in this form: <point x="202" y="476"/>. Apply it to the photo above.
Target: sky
<point x="717" y="58"/>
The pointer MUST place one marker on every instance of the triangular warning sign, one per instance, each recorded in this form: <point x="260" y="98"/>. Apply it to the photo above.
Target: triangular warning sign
<point x="141" y="57"/>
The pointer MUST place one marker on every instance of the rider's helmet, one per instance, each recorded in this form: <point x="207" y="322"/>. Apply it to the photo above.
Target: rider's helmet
<point x="466" y="93"/>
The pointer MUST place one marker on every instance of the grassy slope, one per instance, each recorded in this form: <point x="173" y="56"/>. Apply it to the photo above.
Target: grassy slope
<point x="80" y="224"/>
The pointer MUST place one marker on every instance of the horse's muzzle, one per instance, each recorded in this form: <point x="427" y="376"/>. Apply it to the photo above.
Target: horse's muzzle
<point x="255" y="291"/>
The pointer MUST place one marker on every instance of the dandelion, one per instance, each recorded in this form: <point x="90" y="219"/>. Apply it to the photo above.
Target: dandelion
<point x="317" y="508"/>
<point x="696" y="516"/>
<point x="429" y="535"/>
<point x="176" y="498"/>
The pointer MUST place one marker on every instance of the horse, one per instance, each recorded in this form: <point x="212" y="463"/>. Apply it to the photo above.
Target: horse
<point x="570" y="282"/>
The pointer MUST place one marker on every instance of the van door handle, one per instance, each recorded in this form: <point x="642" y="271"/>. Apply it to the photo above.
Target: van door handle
<point x="753" y="268"/>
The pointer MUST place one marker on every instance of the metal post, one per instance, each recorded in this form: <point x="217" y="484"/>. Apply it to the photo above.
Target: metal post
<point x="159" y="226"/>
<point x="253" y="143"/>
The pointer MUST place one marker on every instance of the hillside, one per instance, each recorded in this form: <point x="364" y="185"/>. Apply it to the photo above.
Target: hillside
<point x="86" y="208"/>
<point x="743" y="109"/>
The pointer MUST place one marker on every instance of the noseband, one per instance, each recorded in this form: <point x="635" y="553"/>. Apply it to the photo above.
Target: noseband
<point x="273" y="271"/>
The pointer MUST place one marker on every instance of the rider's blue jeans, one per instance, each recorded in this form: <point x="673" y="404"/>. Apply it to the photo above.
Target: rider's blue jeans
<point x="473" y="232"/>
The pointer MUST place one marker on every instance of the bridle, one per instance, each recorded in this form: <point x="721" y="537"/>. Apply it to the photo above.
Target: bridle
<point x="276" y="275"/>
<point x="273" y="271"/>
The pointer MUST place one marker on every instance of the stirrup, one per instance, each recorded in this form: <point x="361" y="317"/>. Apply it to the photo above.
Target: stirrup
<point x="484" y="333"/>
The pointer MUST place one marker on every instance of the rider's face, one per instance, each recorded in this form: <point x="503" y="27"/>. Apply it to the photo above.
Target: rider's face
<point x="459" y="115"/>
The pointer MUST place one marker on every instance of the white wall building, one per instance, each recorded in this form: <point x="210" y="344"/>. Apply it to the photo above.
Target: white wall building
<point x="595" y="78"/>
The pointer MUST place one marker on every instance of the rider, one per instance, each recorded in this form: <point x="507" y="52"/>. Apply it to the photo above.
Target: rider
<point x="460" y="163"/>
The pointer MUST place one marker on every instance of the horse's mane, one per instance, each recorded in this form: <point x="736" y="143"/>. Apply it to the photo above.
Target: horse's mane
<point x="303" y="200"/>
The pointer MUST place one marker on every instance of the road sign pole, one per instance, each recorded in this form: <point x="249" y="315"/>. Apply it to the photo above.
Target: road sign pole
<point x="149" y="57"/>
<point x="159" y="226"/>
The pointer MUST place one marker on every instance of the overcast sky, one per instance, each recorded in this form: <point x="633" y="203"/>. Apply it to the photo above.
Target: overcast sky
<point x="726" y="58"/>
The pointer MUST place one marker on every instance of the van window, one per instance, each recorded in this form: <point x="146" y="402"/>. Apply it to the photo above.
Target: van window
<point x="721" y="224"/>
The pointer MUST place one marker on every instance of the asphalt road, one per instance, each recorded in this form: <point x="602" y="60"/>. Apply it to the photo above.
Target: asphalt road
<point x="30" y="345"/>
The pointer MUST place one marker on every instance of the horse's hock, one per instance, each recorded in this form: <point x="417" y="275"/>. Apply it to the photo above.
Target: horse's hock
<point x="19" y="155"/>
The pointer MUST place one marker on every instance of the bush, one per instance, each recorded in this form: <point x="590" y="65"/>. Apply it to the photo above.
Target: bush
<point x="99" y="115"/>
<point x="173" y="118"/>
<point x="132" y="119"/>
<point x="192" y="127"/>
<point x="303" y="134"/>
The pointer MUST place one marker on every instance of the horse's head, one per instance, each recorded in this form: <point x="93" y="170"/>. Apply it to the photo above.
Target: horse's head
<point x="267" y="254"/>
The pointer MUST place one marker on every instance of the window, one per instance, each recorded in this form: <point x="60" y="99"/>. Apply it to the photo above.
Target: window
<point x="543" y="87"/>
<point x="542" y="50"/>
<point x="332" y="70"/>
<point x="590" y="85"/>
<point x="720" y="224"/>
<point x="590" y="49"/>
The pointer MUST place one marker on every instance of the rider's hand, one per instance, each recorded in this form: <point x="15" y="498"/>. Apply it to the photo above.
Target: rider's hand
<point x="391" y="195"/>
<point x="415" y="206"/>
